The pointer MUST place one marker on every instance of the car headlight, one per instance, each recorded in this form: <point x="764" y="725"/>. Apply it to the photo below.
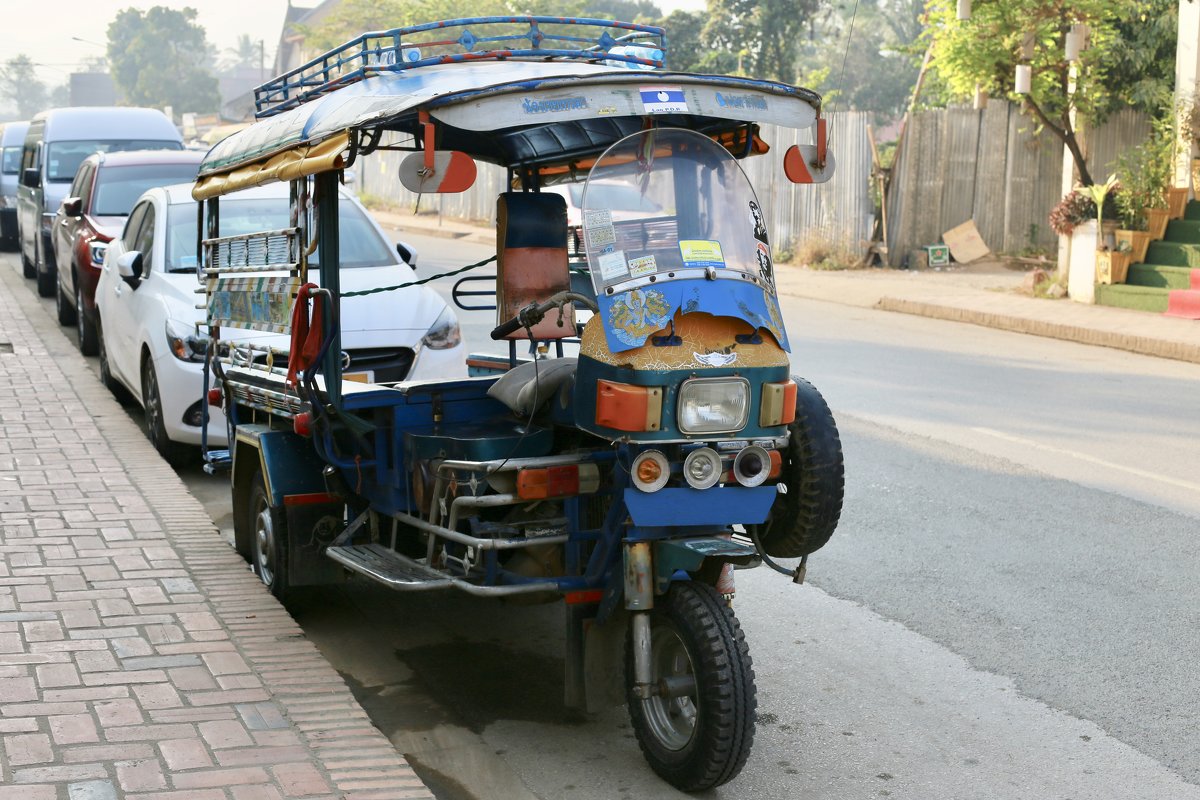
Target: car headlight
<point x="96" y="251"/>
<point x="443" y="333"/>
<point x="713" y="405"/>
<point x="184" y="342"/>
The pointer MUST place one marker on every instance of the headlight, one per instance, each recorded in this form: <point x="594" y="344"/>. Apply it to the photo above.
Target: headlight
<point x="714" y="405"/>
<point x="184" y="342"/>
<point x="444" y="333"/>
<point x="96" y="251"/>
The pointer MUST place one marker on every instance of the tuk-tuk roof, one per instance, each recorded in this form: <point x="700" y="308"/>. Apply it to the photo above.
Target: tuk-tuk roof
<point x="515" y="112"/>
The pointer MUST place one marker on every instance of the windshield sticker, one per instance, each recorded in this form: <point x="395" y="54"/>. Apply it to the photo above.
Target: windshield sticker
<point x="663" y="100"/>
<point x="701" y="253"/>
<point x="636" y="314"/>
<point x="646" y="265"/>
<point x="612" y="265"/>
<point x="760" y="224"/>
<point x="599" y="226"/>
<point x="764" y="264"/>
<point x="548" y="106"/>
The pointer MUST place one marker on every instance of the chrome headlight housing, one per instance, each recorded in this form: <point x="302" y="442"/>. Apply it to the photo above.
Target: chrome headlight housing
<point x="713" y="405"/>
<point x="184" y="342"/>
<point x="443" y="333"/>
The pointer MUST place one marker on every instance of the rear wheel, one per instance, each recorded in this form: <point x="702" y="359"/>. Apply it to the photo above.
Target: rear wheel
<point x="28" y="268"/>
<point x="156" y="428"/>
<point x="88" y="335"/>
<point x="269" y="546"/>
<point x="804" y="519"/>
<point x="46" y="280"/>
<point x="106" y="377"/>
<point x="65" y="307"/>
<point x="697" y="730"/>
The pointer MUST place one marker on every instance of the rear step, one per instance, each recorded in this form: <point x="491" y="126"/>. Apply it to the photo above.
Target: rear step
<point x="382" y="564"/>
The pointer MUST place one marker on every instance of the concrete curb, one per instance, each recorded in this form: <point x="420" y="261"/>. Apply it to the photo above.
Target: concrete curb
<point x="1142" y="345"/>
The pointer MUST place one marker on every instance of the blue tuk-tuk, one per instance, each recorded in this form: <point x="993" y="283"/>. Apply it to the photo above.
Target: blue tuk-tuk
<point x="627" y="482"/>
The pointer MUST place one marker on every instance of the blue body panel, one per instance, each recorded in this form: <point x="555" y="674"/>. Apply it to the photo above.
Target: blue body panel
<point x="290" y="465"/>
<point x="684" y="506"/>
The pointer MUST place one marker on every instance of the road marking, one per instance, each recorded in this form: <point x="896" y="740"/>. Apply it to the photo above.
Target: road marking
<point x="1141" y="473"/>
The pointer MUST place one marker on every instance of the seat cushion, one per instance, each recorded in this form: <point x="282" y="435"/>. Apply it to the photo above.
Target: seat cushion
<point x="527" y="387"/>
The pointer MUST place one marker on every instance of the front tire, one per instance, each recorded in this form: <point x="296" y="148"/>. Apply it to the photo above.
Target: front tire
<point x="156" y="428"/>
<point x="269" y="545"/>
<point x="700" y="737"/>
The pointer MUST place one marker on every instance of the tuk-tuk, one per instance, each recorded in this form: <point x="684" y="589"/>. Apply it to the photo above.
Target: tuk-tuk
<point x="628" y="481"/>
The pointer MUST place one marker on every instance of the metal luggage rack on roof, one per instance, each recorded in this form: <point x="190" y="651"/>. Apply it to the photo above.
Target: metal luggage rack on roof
<point x="391" y="51"/>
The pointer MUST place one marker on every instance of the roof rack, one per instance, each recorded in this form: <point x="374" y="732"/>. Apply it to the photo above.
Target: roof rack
<point x="519" y="37"/>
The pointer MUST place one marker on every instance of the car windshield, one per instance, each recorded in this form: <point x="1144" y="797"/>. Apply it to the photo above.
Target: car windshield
<point x="64" y="158"/>
<point x="359" y="244"/>
<point x="615" y="197"/>
<point x="118" y="188"/>
<point x="12" y="161"/>
<point x="706" y="221"/>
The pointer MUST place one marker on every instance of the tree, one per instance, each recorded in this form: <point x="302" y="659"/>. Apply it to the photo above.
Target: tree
<point x="19" y="85"/>
<point x="159" y="57"/>
<point x="246" y="53"/>
<point x="982" y="53"/>
<point x="764" y="33"/>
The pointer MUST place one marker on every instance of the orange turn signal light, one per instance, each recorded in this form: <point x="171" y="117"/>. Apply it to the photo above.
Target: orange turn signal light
<point x="778" y="405"/>
<point x="624" y="407"/>
<point x="542" y="483"/>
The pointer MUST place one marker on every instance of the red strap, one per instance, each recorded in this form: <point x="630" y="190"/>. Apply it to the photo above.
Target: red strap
<point x="306" y="334"/>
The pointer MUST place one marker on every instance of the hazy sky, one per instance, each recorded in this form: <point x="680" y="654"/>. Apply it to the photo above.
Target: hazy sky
<point x="42" y="29"/>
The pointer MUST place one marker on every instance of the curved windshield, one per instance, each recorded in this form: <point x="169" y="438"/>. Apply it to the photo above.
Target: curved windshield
<point x="118" y="188"/>
<point x="699" y="215"/>
<point x="64" y="158"/>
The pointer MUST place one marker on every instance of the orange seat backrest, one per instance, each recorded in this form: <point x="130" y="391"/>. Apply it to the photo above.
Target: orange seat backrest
<point x="531" y="260"/>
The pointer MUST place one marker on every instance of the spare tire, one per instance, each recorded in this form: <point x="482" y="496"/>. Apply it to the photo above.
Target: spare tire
<point x="803" y="519"/>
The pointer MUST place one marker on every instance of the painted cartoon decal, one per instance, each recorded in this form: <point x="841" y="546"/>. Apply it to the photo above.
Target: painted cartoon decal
<point x="635" y="315"/>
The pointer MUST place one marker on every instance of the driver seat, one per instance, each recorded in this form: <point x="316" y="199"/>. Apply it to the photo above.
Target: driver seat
<point x="531" y="260"/>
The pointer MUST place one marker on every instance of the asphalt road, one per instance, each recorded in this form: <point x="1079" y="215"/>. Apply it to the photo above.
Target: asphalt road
<point x="1008" y="609"/>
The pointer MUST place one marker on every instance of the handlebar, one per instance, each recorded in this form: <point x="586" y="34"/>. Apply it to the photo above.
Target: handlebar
<point x="534" y="313"/>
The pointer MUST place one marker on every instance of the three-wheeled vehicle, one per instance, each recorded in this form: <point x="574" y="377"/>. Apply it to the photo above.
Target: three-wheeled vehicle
<point x="628" y="481"/>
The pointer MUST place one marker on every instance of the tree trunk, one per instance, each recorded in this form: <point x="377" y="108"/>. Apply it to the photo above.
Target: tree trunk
<point x="1066" y="134"/>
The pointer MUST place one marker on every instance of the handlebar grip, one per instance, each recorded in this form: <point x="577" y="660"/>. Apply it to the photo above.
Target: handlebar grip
<point x="505" y="328"/>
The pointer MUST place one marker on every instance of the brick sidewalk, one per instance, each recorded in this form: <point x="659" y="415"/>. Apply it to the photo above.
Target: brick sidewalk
<point x="139" y="658"/>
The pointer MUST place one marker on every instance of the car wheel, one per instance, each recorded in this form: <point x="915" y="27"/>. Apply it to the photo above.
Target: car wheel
<point x="64" y="306"/>
<point x="88" y="336"/>
<point x="27" y="267"/>
<point x="106" y="377"/>
<point x="46" y="280"/>
<point x="156" y="427"/>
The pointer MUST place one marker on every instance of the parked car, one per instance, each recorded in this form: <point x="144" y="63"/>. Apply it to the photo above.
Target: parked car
<point x="12" y="138"/>
<point x="55" y="145"/>
<point x="152" y="351"/>
<point x="105" y="189"/>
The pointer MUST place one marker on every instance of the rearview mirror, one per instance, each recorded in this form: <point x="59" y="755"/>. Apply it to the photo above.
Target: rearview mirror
<point x="72" y="206"/>
<point x="407" y="254"/>
<point x="31" y="177"/>
<point x="129" y="267"/>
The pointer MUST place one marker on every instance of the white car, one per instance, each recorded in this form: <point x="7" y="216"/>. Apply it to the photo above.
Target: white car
<point x="150" y="348"/>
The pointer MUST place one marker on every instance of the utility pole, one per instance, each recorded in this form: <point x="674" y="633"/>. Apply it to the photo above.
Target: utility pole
<point x="262" y="61"/>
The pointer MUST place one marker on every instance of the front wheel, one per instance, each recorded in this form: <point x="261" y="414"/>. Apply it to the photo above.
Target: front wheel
<point x="88" y="336"/>
<point x="156" y="427"/>
<point x="47" y="281"/>
<point x="696" y="730"/>
<point x="64" y="307"/>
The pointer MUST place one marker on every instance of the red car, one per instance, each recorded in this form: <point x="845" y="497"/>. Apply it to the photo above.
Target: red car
<point x="104" y="190"/>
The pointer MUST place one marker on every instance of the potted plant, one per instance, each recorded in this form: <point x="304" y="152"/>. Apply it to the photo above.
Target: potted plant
<point x="1145" y="172"/>
<point x="1112" y="264"/>
<point x="1189" y="131"/>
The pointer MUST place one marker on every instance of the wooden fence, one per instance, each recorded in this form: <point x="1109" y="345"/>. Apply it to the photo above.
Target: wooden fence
<point x="990" y="166"/>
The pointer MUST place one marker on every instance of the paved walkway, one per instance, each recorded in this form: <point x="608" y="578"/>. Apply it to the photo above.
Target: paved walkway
<point x="981" y="295"/>
<point x="139" y="658"/>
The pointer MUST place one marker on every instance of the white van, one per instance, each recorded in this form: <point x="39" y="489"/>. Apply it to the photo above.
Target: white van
<point x="12" y="139"/>
<point x="56" y="144"/>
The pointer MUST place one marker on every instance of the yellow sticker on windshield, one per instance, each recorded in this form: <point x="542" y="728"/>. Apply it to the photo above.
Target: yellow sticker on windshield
<point x="701" y="253"/>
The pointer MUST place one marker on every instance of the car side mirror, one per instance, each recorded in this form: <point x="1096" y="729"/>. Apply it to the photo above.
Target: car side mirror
<point x="129" y="267"/>
<point x="31" y="177"/>
<point x="407" y="253"/>
<point x="73" y="206"/>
